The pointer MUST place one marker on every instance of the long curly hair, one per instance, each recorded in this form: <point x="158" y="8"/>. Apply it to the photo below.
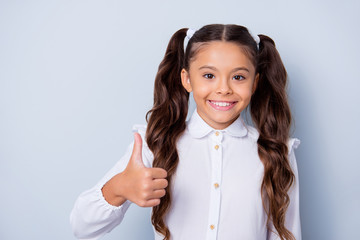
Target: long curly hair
<point x="269" y="110"/>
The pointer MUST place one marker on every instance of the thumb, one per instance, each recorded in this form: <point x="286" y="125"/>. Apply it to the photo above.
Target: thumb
<point x="136" y="156"/>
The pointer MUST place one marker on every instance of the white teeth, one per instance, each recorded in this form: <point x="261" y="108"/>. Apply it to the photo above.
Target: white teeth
<point x="222" y="104"/>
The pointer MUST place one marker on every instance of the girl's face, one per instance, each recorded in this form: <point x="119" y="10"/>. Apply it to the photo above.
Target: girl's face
<point x="222" y="79"/>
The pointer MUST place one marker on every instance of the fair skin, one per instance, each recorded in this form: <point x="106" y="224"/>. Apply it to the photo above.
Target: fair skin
<point x="137" y="183"/>
<point x="222" y="81"/>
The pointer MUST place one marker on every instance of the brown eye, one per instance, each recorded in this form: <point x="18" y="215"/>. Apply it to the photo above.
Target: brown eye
<point x="209" y="76"/>
<point x="239" y="77"/>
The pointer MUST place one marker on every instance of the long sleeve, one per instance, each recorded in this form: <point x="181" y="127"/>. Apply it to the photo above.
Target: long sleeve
<point x="92" y="216"/>
<point x="292" y="218"/>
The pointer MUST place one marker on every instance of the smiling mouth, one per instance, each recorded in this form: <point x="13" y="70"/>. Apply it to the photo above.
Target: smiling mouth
<point x="222" y="105"/>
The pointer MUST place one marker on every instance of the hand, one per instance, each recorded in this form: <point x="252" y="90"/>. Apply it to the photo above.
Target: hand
<point x="137" y="183"/>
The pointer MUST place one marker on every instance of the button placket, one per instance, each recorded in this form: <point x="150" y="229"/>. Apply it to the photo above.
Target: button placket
<point x="215" y="194"/>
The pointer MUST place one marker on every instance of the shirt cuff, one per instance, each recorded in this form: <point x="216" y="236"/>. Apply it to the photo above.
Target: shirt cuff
<point x="102" y="201"/>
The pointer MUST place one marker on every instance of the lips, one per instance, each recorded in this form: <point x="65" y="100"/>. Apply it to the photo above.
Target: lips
<point x="222" y="105"/>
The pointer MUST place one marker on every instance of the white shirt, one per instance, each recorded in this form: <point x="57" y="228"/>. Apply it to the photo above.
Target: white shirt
<point x="216" y="188"/>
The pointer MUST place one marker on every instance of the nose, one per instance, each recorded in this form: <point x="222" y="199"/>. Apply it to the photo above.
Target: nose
<point x="223" y="87"/>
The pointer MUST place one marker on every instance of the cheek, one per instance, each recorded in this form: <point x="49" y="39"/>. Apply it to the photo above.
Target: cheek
<point x="245" y="92"/>
<point x="199" y="97"/>
<point x="201" y="91"/>
<point x="245" y="96"/>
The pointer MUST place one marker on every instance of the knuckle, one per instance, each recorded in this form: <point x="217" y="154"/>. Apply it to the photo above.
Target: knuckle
<point x="145" y="186"/>
<point x="144" y="195"/>
<point x="147" y="173"/>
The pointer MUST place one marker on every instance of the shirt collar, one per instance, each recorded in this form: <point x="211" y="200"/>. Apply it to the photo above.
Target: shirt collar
<point x="198" y="128"/>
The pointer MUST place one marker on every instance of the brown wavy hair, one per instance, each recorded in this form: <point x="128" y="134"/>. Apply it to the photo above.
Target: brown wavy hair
<point x="269" y="110"/>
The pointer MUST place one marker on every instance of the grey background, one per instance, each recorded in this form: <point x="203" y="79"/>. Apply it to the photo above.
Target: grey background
<point x="76" y="75"/>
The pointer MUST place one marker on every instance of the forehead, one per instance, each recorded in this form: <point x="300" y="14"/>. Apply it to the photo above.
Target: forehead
<point x="222" y="55"/>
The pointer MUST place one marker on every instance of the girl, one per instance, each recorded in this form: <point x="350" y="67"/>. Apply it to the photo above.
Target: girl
<point x="212" y="177"/>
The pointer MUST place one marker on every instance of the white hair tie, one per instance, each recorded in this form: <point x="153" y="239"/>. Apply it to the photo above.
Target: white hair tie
<point x="256" y="38"/>
<point x="190" y="32"/>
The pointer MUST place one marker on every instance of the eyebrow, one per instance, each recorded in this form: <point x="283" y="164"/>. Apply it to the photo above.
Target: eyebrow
<point x="215" y="69"/>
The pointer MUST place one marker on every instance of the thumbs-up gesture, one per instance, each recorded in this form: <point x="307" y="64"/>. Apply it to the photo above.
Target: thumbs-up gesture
<point x="137" y="183"/>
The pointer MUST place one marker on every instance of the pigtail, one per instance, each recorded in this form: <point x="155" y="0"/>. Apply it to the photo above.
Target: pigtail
<point x="166" y="121"/>
<point x="272" y="117"/>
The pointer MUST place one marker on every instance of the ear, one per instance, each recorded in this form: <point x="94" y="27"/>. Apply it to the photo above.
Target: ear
<point x="185" y="80"/>
<point x="256" y="81"/>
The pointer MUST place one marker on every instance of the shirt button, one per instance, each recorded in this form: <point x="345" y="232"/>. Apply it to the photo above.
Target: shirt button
<point x="212" y="227"/>
<point x="217" y="133"/>
<point x="216" y="185"/>
<point x="216" y="147"/>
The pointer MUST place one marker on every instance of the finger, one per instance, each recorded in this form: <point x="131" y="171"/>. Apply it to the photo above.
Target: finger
<point x="136" y="156"/>
<point x="159" y="193"/>
<point x="158" y="173"/>
<point x="156" y="194"/>
<point x="149" y="203"/>
<point x="153" y="202"/>
<point x="160" y="183"/>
